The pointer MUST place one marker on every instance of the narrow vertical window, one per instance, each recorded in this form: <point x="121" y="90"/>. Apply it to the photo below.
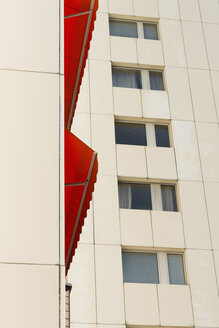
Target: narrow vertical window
<point x="140" y="268"/>
<point x="123" y="29"/>
<point x="156" y="80"/>
<point x="176" y="271"/>
<point x="130" y="134"/>
<point x="168" y="198"/>
<point x="162" y="136"/>
<point x="126" y="78"/>
<point x="150" y="31"/>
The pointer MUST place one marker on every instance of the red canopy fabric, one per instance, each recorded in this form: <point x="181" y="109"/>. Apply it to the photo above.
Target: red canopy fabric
<point x="78" y="26"/>
<point x="80" y="175"/>
<point x="80" y="161"/>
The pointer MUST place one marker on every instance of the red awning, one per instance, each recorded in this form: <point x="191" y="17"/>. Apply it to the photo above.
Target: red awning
<point x="80" y="160"/>
<point x="79" y="23"/>
<point x="80" y="175"/>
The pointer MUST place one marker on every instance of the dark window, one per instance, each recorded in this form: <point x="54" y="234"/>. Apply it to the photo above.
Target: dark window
<point x="162" y="136"/>
<point x="122" y="28"/>
<point x="176" y="271"/>
<point x="140" y="268"/>
<point x="156" y="80"/>
<point x="130" y="134"/>
<point x="168" y="198"/>
<point x="150" y="31"/>
<point x="135" y="196"/>
<point x="126" y="78"/>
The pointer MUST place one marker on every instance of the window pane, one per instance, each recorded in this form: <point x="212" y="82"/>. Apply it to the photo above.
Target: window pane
<point x="126" y="78"/>
<point x="150" y="31"/>
<point x="176" y="272"/>
<point x="135" y="196"/>
<point x="122" y="28"/>
<point x="169" y="198"/>
<point x="141" y="197"/>
<point x="130" y="134"/>
<point x="162" y="136"/>
<point x="125" y="195"/>
<point x="140" y="268"/>
<point x="156" y="80"/>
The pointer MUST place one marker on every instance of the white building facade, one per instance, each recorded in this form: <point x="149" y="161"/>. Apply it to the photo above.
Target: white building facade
<point x="149" y="105"/>
<point x="32" y="263"/>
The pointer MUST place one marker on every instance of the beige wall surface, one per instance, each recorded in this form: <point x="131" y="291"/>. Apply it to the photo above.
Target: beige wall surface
<point x="32" y="270"/>
<point x="187" y="51"/>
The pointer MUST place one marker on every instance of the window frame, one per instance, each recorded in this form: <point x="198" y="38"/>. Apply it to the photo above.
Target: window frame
<point x="162" y="264"/>
<point x="150" y="132"/>
<point x="145" y="77"/>
<point x="140" y="27"/>
<point x="156" y="195"/>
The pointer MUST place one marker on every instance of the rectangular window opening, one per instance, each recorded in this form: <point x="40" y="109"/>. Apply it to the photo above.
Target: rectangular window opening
<point x="126" y="78"/>
<point x="140" y="268"/>
<point x="150" y="31"/>
<point x="176" y="269"/>
<point x="169" y="198"/>
<point x="162" y="136"/>
<point x="135" y="196"/>
<point x="156" y="80"/>
<point x="130" y="134"/>
<point x="123" y="29"/>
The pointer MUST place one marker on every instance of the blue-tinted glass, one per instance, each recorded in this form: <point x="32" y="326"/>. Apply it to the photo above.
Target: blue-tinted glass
<point x="140" y="268"/>
<point x="169" y="198"/>
<point x="176" y="271"/>
<point x="126" y="78"/>
<point x="141" y="197"/>
<point x="130" y="134"/>
<point x="150" y="31"/>
<point x="122" y="28"/>
<point x="162" y="136"/>
<point x="156" y="80"/>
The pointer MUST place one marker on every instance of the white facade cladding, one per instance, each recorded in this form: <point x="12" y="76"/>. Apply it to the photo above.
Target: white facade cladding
<point x="32" y="272"/>
<point x="149" y="104"/>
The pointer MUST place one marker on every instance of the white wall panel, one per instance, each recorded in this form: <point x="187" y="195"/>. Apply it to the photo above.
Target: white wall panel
<point x="26" y="292"/>
<point x="28" y="41"/>
<point x="179" y="93"/>
<point x="29" y="130"/>
<point x="171" y="35"/>
<point x="194" y="45"/>
<point x="208" y="139"/>
<point x="202" y="96"/>
<point x="194" y="213"/>
<point x="109" y="287"/>
<point x="82" y="277"/>
<point x="186" y="149"/>
<point x="203" y="287"/>
<point x="106" y="211"/>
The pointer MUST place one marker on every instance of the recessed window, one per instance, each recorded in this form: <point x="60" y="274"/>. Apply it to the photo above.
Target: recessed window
<point x="151" y="268"/>
<point x="135" y="196"/>
<point x="126" y="78"/>
<point x="142" y="134"/>
<point x="130" y="134"/>
<point x="140" y="268"/>
<point x="168" y="198"/>
<point x="162" y="136"/>
<point x="156" y="80"/>
<point x="150" y="31"/>
<point x="130" y="29"/>
<point x="138" y="196"/>
<point x="137" y="79"/>
<point x="175" y="267"/>
<point x="123" y="28"/>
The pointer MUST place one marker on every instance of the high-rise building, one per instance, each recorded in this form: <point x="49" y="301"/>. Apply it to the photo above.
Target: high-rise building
<point x="149" y="105"/>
